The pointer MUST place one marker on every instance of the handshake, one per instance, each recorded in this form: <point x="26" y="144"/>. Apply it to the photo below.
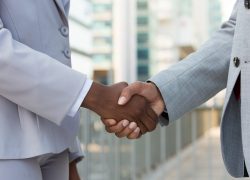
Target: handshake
<point x="126" y="110"/>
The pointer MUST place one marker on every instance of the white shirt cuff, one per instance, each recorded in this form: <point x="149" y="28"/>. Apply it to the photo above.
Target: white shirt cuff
<point x="80" y="98"/>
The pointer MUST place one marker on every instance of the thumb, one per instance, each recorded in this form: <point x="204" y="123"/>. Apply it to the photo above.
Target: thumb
<point x="128" y="92"/>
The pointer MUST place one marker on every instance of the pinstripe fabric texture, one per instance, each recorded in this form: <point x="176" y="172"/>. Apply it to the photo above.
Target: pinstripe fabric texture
<point x="204" y="73"/>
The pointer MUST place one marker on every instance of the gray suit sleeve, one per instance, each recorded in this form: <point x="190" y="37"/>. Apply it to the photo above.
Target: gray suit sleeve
<point x="200" y="76"/>
<point x="36" y="81"/>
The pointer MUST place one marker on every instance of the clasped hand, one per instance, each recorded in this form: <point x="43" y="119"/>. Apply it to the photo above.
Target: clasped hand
<point x="134" y="114"/>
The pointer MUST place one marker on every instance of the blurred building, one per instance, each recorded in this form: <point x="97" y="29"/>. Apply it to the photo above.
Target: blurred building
<point x="178" y="28"/>
<point x="215" y="15"/>
<point x="143" y="39"/>
<point x="80" y="21"/>
<point x="167" y="31"/>
<point x="102" y="40"/>
<point x="163" y="48"/>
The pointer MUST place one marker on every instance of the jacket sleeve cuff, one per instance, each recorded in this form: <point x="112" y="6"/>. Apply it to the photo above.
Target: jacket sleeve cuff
<point x="75" y="151"/>
<point x="77" y="157"/>
<point x="75" y="107"/>
<point x="164" y="119"/>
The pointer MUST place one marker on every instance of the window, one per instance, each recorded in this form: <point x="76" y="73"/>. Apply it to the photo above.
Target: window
<point x="142" y="38"/>
<point x="142" y="5"/>
<point x="142" y="54"/>
<point x="143" y="70"/>
<point x="102" y="58"/>
<point x="102" y="7"/>
<point x="102" y="24"/>
<point x="102" y="40"/>
<point x="142" y="20"/>
<point x="101" y="76"/>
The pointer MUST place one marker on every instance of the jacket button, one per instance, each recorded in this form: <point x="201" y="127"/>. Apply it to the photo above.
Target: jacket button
<point x="247" y="4"/>
<point x="64" y="31"/>
<point x="67" y="53"/>
<point x="236" y="61"/>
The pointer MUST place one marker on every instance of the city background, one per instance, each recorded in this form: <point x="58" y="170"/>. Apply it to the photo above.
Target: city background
<point x="129" y="40"/>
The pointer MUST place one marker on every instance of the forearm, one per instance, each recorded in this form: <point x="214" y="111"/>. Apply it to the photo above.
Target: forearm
<point x="73" y="172"/>
<point x="200" y="76"/>
<point x="104" y="101"/>
<point x="35" y="81"/>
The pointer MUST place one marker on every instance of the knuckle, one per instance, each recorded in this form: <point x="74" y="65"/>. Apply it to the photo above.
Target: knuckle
<point x="127" y="92"/>
<point x="143" y="131"/>
<point x="108" y="130"/>
<point x="119" y="135"/>
<point x="105" y="122"/>
<point x="131" y="137"/>
<point x="152" y="128"/>
<point x="125" y="84"/>
<point x="139" y="84"/>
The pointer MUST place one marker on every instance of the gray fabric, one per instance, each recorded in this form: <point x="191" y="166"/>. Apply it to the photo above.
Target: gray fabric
<point x="37" y="85"/>
<point x="204" y="73"/>
<point x="45" y="167"/>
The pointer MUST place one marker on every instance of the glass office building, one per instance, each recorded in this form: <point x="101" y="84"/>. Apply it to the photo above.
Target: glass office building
<point x="143" y="40"/>
<point x="102" y="40"/>
<point x="80" y="22"/>
<point x="215" y="15"/>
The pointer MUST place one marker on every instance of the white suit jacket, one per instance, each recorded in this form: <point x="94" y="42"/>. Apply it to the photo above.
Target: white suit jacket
<point x="37" y="85"/>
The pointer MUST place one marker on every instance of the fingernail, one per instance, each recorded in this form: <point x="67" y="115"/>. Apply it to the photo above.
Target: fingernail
<point x="137" y="130"/>
<point x="125" y="123"/>
<point x="132" y="125"/>
<point x="112" y="122"/>
<point x="122" y="100"/>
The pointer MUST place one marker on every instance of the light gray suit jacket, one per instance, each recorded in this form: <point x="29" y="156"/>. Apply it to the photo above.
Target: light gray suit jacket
<point x="37" y="85"/>
<point x="209" y="70"/>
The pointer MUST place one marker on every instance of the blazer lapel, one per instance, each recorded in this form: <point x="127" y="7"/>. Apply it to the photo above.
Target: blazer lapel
<point x="61" y="9"/>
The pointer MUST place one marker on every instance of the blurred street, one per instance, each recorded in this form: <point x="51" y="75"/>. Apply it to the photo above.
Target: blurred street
<point x="203" y="161"/>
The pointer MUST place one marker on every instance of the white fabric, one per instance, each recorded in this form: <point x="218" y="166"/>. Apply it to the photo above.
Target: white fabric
<point x="45" y="167"/>
<point x="38" y="87"/>
<point x="80" y="98"/>
<point x="64" y="2"/>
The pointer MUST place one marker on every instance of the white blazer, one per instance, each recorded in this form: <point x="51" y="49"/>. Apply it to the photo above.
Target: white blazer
<point x="37" y="85"/>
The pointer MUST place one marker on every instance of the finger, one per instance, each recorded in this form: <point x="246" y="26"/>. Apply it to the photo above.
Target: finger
<point x="135" y="134"/>
<point x="128" y="130"/>
<point x="118" y="127"/>
<point x="119" y="85"/>
<point x="150" y="120"/>
<point x="107" y="129"/>
<point x="128" y="92"/>
<point x="109" y="122"/>
<point x="141" y="125"/>
<point x="151" y="113"/>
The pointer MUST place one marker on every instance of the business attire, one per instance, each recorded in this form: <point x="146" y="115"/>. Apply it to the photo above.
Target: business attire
<point x="39" y="93"/>
<point x="215" y="66"/>
<point x="44" y="167"/>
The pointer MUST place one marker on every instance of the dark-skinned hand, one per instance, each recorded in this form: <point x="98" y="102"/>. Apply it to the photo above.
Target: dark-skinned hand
<point x="73" y="172"/>
<point x="103" y="100"/>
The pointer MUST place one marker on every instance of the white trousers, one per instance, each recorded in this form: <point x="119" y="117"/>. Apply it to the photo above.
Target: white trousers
<point x="45" y="167"/>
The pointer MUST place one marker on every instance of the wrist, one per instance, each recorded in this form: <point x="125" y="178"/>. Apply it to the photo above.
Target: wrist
<point x="159" y="101"/>
<point x="73" y="172"/>
<point x="93" y="97"/>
